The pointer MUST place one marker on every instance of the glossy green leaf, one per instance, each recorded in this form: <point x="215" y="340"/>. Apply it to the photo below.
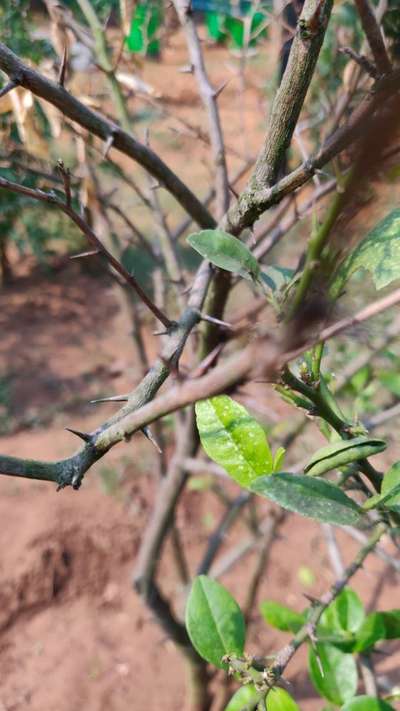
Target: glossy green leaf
<point x="244" y="699"/>
<point x="378" y="253"/>
<point x="214" y="621"/>
<point x="345" y="614"/>
<point x="342" y="453"/>
<point x="367" y="703"/>
<point x="371" y="631"/>
<point x="279" y="700"/>
<point x="281" y="617"/>
<point x="226" y="252"/>
<point x="338" y="683"/>
<point x="315" y="498"/>
<point x="233" y="439"/>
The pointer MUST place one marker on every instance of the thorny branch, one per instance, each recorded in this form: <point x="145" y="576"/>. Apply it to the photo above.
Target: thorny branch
<point x="271" y="675"/>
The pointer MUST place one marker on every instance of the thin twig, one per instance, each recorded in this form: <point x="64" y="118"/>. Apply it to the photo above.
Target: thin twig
<point x="374" y="36"/>
<point x="52" y="199"/>
<point x="209" y="98"/>
<point x="103" y="128"/>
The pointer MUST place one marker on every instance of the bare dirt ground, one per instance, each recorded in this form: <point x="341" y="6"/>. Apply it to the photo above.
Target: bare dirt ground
<point x="73" y="632"/>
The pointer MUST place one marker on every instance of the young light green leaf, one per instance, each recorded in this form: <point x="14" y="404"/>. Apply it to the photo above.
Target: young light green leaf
<point x="345" y="614"/>
<point x="341" y="453"/>
<point x="244" y="699"/>
<point x="279" y="700"/>
<point x="367" y="703"/>
<point x="226" y="252"/>
<point x="214" y="621"/>
<point x="338" y="682"/>
<point x="378" y="252"/>
<point x="279" y="456"/>
<point x="281" y="617"/>
<point x="315" y="498"/>
<point x="233" y="439"/>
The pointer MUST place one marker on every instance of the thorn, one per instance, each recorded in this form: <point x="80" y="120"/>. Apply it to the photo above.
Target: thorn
<point x="66" y="176"/>
<point x="63" y="67"/>
<point x="207" y="362"/>
<point x="108" y="143"/>
<point x="233" y="191"/>
<point x="8" y="87"/>
<point x="92" y="253"/>
<point x="155" y="185"/>
<point x="148" y="434"/>
<point x="82" y="435"/>
<point x="161" y="333"/>
<point x="216" y="321"/>
<point x="312" y="599"/>
<point x="186" y="69"/>
<point x="113" y="398"/>
<point x="220" y="89"/>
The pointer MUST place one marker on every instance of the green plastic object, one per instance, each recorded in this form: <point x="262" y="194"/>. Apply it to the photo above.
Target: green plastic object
<point x="236" y="29"/>
<point x="215" y="23"/>
<point x="143" y="35"/>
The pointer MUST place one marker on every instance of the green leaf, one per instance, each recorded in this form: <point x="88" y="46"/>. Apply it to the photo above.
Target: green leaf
<point x="226" y="252"/>
<point x="378" y="252"/>
<point x="390" y="492"/>
<point x="276" y="278"/>
<point x="371" y="631"/>
<point x="244" y="699"/>
<point x="281" y="617"/>
<point x="338" y="683"/>
<point x="343" y="452"/>
<point x="279" y="456"/>
<point x="391" y="381"/>
<point x="233" y="439"/>
<point x="345" y="614"/>
<point x="279" y="700"/>
<point x="391" y="619"/>
<point x="390" y="483"/>
<point x="367" y="703"/>
<point x="214" y="621"/>
<point x="315" y="498"/>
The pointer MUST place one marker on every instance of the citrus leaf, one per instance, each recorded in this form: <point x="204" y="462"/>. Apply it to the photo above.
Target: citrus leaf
<point x="338" y="682"/>
<point x="279" y="456"/>
<point x="279" y="700"/>
<point x="214" y="621"/>
<point x="226" y="252"/>
<point x="276" y="278"/>
<point x="390" y="484"/>
<point x="244" y="699"/>
<point x="281" y="617"/>
<point x="345" y="613"/>
<point x="372" y="630"/>
<point x="341" y="453"/>
<point x="315" y="498"/>
<point x="378" y="252"/>
<point x="233" y="439"/>
<point x="367" y="703"/>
